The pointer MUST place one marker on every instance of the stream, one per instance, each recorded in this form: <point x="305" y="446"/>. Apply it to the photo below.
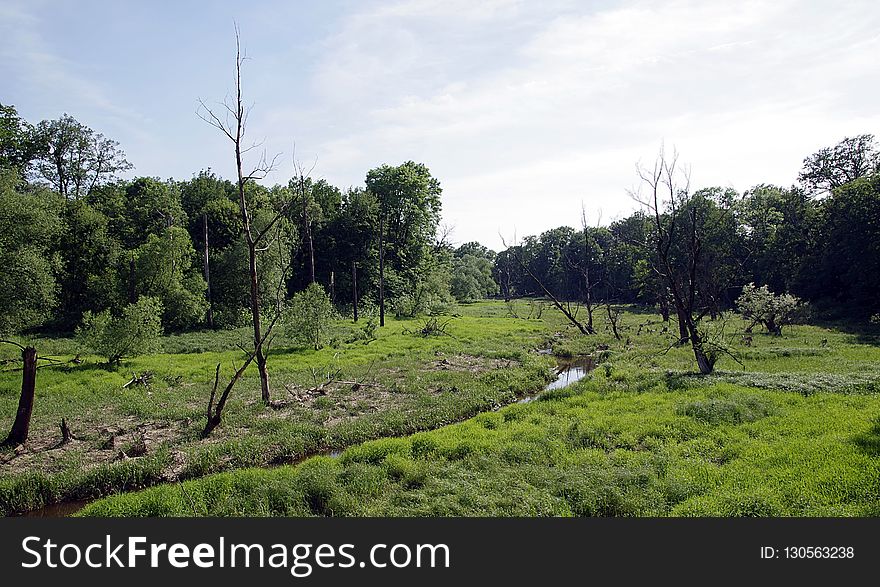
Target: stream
<point x="568" y="370"/>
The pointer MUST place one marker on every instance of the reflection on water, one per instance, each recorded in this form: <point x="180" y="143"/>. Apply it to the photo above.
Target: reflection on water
<point x="568" y="371"/>
<point x="57" y="510"/>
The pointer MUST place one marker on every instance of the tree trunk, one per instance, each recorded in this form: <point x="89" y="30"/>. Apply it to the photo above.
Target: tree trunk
<point x="664" y="306"/>
<point x="683" y="334"/>
<point x="255" y="314"/>
<point x="354" y="289"/>
<point x="333" y="287"/>
<point x="381" y="272"/>
<point x="703" y="361"/>
<point x="22" y="424"/>
<point x="209" y="316"/>
<point x="132" y="287"/>
<point x="307" y="229"/>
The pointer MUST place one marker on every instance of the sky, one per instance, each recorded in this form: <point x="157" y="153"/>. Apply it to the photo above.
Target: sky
<point x="524" y="110"/>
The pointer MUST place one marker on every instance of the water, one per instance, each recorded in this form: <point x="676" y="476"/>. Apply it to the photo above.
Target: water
<point x="57" y="510"/>
<point x="568" y="371"/>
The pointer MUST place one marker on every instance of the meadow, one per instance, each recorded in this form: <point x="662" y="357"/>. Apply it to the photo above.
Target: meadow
<point x="353" y="390"/>
<point x="429" y="426"/>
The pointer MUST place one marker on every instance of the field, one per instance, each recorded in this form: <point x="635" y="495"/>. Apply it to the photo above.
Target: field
<point x="792" y="430"/>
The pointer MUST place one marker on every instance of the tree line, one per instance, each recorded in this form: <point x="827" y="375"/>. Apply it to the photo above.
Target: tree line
<point x="75" y="239"/>
<point x="818" y="239"/>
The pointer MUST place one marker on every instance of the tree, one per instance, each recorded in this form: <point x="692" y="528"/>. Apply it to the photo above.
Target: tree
<point x="163" y="270"/>
<point x="309" y="316"/>
<point x="676" y="224"/>
<point x="472" y="273"/>
<point x="209" y="203"/>
<point x="17" y="147"/>
<point x="135" y="332"/>
<point x="73" y="158"/>
<point x="22" y="423"/>
<point x="233" y="126"/>
<point x="847" y="161"/>
<point x="87" y="272"/>
<point x="773" y="311"/>
<point x="844" y="268"/>
<point x="409" y="212"/>
<point x="29" y="227"/>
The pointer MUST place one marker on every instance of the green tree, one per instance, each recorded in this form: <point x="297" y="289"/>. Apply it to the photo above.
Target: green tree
<point x="29" y="227"/>
<point x="847" y="161"/>
<point x="73" y="158"/>
<point x="845" y="267"/>
<point x="471" y="278"/>
<point x="17" y="146"/>
<point x="134" y="332"/>
<point x="163" y="270"/>
<point x="309" y="315"/>
<point x="773" y="311"/>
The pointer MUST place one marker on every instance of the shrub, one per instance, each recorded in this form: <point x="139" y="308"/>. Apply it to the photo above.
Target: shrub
<point x="773" y="311"/>
<point x="309" y="316"/>
<point x="133" y="333"/>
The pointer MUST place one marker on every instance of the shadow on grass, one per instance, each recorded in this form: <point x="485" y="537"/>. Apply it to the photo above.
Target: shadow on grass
<point x="869" y="441"/>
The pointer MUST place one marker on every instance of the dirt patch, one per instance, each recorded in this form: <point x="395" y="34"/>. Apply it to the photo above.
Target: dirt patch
<point x="93" y="444"/>
<point x="470" y="363"/>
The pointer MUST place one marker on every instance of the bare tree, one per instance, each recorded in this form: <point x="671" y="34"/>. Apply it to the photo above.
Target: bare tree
<point x="566" y="307"/>
<point x="233" y="125"/>
<point x="209" y="315"/>
<point x="674" y="223"/>
<point x="582" y="266"/>
<point x="299" y="179"/>
<point x="22" y="424"/>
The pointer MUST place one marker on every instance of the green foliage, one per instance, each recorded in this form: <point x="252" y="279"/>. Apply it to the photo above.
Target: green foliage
<point x="133" y="333"/>
<point x="17" y="146"/>
<point x="847" y="161"/>
<point x="409" y="204"/>
<point x="472" y="277"/>
<point x="73" y="158"/>
<point x="427" y="294"/>
<point x="29" y="226"/>
<point x="308" y="316"/>
<point x="163" y="270"/>
<point x="773" y="311"/>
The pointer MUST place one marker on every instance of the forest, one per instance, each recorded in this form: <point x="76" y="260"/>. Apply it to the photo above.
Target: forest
<point x="128" y="304"/>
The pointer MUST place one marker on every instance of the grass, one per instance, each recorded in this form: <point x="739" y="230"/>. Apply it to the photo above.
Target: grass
<point x="722" y="450"/>
<point x="791" y="431"/>
<point x="394" y="385"/>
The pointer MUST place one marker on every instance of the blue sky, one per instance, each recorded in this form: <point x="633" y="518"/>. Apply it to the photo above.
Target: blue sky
<point x="523" y="110"/>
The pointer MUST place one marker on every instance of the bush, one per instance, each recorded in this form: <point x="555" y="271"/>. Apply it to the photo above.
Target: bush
<point x="133" y="333"/>
<point x="773" y="311"/>
<point x="309" y="316"/>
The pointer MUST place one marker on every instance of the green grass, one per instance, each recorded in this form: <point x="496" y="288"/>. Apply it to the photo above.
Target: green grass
<point x="793" y="431"/>
<point x="408" y="387"/>
<point x="790" y="429"/>
<point x="722" y="450"/>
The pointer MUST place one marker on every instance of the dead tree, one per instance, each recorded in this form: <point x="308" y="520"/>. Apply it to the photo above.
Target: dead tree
<point x="354" y="288"/>
<point x="675" y="224"/>
<point x="506" y="279"/>
<point x="583" y="267"/>
<point x="308" y="242"/>
<point x="381" y="268"/>
<point x="233" y="125"/>
<point x="22" y="424"/>
<point x="564" y="308"/>
<point x="209" y="315"/>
